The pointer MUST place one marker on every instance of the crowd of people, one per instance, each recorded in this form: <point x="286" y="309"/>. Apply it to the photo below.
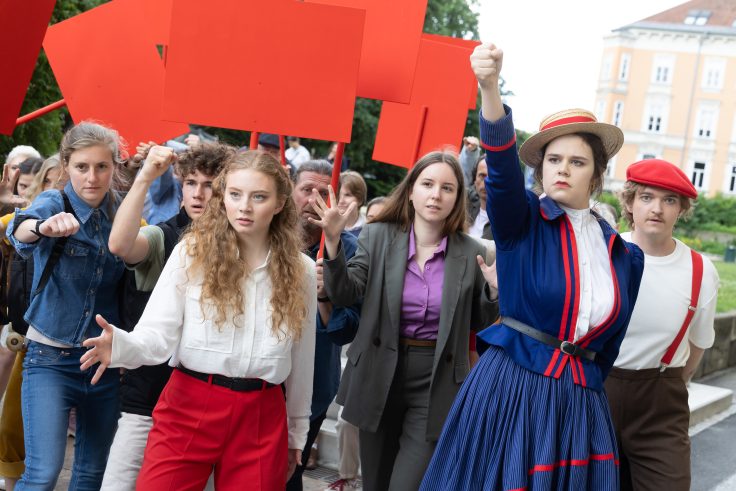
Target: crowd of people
<point x="182" y="311"/>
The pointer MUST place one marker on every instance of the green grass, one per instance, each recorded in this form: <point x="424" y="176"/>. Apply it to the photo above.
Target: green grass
<point x="727" y="292"/>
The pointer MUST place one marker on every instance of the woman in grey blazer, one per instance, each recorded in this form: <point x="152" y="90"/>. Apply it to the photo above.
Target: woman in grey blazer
<point x="423" y="288"/>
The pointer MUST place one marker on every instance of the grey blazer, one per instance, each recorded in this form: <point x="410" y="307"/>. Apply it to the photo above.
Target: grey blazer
<point x="376" y="275"/>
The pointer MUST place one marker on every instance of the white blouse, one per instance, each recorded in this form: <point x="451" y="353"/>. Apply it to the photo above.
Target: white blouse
<point x="594" y="264"/>
<point x="173" y="328"/>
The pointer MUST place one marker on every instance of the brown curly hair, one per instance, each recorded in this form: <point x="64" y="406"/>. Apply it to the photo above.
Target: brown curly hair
<point x="213" y="245"/>
<point x="207" y="158"/>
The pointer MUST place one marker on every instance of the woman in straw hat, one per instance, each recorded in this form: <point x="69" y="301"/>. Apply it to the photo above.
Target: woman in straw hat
<point x="532" y="414"/>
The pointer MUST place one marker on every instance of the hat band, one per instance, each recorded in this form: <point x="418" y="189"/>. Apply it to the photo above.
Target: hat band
<point x="573" y="119"/>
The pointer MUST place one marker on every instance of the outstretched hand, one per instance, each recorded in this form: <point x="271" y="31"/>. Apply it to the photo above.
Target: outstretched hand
<point x="489" y="272"/>
<point x="100" y="350"/>
<point x="10" y="177"/>
<point x="332" y="221"/>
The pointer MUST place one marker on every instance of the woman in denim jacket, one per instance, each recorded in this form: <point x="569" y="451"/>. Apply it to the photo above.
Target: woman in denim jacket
<point x="83" y="283"/>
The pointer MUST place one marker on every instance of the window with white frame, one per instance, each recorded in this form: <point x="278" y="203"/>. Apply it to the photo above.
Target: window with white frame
<point x="713" y="72"/>
<point x="600" y="109"/>
<point x="731" y="184"/>
<point x="618" y="113"/>
<point x="611" y="168"/>
<point x="705" y="123"/>
<point x="697" y="17"/>
<point x="698" y="175"/>
<point x="654" y="122"/>
<point x="623" y="67"/>
<point x="662" y="69"/>
<point x="606" y="67"/>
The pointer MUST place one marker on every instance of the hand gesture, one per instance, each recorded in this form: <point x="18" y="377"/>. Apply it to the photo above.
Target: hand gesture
<point x="141" y="152"/>
<point x="10" y="177"/>
<point x="60" y="225"/>
<point x="471" y="142"/>
<point x="100" y="350"/>
<point x="192" y="140"/>
<point x="295" y="458"/>
<point x="158" y="160"/>
<point x="320" y="279"/>
<point x="489" y="272"/>
<point x="486" y="62"/>
<point x="332" y="221"/>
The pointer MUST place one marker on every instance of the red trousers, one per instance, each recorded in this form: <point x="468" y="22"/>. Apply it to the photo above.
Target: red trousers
<point x="198" y="426"/>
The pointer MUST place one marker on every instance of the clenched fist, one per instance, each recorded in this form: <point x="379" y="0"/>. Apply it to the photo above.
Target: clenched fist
<point x="157" y="161"/>
<point x="486" y="62"/>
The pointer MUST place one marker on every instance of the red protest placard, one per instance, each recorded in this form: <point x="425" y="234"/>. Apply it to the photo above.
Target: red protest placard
<point x="157" y="14"/>
<point x="278" y="66"/>
<point x="22" y="26"/>
<point x="438" y="110"/>
<point x="469" y="46"/>
<point x="118" y="79"/>
<point x="393" y="31"/>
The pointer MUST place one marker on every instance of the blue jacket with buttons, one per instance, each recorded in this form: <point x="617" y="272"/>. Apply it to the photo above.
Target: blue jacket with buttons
<point x="85" y="280"/>
<point x="538" y="275"/>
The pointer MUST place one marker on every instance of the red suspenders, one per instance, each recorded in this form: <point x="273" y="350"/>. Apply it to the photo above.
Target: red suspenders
<point x="694" y="294"/>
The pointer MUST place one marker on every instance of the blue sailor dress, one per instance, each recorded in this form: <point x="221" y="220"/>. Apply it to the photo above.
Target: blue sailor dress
<point x="529" y="416"/>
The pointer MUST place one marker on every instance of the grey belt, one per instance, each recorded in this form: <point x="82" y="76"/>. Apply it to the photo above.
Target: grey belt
<point x="565" y="346"/>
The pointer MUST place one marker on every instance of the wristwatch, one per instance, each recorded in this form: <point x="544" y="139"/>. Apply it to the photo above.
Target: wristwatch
<point x="37" y="229"/>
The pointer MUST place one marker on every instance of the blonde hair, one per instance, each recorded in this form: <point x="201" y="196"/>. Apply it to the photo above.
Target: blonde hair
<point x="213" y="245"/>
<point x="628" y="193"/>
<point x="48" y="165"/>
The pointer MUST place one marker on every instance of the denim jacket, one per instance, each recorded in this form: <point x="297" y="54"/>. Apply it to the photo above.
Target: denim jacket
<point x="85" y="280"/>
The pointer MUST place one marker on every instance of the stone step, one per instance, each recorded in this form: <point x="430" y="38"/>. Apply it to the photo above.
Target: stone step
<point x="706" y="401"/>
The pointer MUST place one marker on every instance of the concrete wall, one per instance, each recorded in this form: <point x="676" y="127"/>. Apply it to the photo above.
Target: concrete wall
<point x="723" y="353"/>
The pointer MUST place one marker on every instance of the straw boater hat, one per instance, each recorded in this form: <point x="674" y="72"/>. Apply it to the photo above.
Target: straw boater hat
<point x="567" y="122"/>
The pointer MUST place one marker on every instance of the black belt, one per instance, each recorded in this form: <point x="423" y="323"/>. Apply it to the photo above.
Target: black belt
<point x="235" y="384"/>
<point x="565" y="346"/>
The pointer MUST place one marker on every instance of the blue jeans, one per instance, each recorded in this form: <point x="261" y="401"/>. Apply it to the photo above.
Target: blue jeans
<point x="52" y="385"/>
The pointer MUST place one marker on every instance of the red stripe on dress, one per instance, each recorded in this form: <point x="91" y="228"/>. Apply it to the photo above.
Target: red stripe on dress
<point x="562" y="366"/>
<point x="573" y="462"/>
<point x="565" y="311"/>
<point x="583" y="382"/>
<point x="574" y="368"/>
<point x="499" y="148"/>
<point x="575" y="268"/>
<point x="572" y="119"/>
<point x="552" y="363"/>
<point x="595" y="332"/>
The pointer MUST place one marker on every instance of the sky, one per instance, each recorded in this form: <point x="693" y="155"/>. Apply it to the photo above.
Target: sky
<point x="552" y="49"/>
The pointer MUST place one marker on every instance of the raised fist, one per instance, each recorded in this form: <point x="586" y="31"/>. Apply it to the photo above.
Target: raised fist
<point x="60" y="225"/>
<point x="157" y="161"/>
<point x="486" y="62"/>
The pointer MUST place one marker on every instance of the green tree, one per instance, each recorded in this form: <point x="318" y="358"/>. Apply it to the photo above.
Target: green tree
<point x="45" y="133"/>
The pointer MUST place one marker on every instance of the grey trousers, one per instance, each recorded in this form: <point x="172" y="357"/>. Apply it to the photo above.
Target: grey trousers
<point x="396" y="456"/>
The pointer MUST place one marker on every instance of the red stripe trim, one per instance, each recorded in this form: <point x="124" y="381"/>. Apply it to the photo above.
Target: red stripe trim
<point x="573" y="463"/>
<point x="696" y="282"/>
<point x="500" y="148"/>
<point x="575" y="268"/>
<point x="573" y="119"/>
<point x="582" y="373"/>
<point x="574" y="368"/>
<point x="566" y="267"/>
<point x="552" y="363"/>
<point x="562" y="366"/>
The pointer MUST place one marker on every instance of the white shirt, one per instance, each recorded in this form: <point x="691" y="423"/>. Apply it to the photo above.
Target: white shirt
<point x="594" y="264"/>
<point x="661" y="307"/>
<point x="479" y="224"/>
<point x="297" y="156"/>
<point x="173" y="327"/>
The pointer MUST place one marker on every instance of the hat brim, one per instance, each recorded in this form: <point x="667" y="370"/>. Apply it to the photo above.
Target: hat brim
<point x="611" y="136"/>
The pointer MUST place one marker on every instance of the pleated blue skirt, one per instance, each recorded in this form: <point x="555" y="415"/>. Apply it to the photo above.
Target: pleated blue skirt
<point x="514" y="429"/>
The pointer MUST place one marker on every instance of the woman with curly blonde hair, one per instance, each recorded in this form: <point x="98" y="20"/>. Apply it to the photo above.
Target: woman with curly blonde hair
<point x="234" y="309"/>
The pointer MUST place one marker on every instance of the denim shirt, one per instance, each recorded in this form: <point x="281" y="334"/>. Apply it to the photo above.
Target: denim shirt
<point x="84" y="281"/>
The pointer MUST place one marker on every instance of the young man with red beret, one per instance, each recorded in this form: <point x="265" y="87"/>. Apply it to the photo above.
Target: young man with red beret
<point x="671" y="326"/>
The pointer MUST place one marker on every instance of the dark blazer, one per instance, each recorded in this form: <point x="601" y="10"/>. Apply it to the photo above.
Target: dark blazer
<point x="376" y="274"/>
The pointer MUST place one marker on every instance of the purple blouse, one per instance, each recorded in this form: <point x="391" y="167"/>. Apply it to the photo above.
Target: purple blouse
<point x="421" y="299"/>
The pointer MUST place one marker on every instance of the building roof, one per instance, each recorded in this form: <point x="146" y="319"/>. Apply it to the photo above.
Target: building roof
<point x="698" y="13"/>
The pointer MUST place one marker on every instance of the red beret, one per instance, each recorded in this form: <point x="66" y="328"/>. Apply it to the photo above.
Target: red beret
<point x="661" y="174"/>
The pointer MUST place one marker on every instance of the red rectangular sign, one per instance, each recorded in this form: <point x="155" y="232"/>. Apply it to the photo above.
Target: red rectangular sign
<point x="393" y="31"/>
<point x="436" y="116"/>
<point x="108" y="69"/>
<point x="22" y="26"/>
<point x="277" y="66"/>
